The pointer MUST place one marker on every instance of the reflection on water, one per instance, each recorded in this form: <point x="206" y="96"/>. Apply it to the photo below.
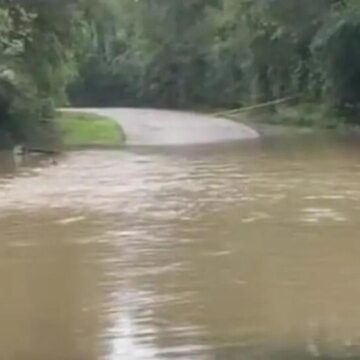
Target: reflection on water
<point x="233" y="252"/>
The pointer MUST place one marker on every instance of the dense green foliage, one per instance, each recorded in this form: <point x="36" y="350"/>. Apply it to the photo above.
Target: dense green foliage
<point x="221" y="53"/>
<point x="36" y="62"/>
<point x="171" y="53"/>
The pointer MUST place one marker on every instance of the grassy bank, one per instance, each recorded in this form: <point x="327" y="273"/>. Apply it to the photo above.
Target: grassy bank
<point x="302" y="115"/>
<point x="88" y="130"/>
<point x="294" y="115"/>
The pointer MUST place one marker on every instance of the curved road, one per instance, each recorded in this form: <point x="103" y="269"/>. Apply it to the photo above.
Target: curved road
<point x="164" y="127"/>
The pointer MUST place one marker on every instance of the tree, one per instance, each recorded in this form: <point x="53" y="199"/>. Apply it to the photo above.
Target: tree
<point x="35" y="61"/>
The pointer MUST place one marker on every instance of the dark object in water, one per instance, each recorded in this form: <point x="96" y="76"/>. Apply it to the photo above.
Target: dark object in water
<point x="41" y="151"/>
<point x="21" y="150"/>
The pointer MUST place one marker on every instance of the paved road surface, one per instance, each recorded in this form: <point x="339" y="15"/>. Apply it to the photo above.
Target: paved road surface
<point x="163" y="127"/>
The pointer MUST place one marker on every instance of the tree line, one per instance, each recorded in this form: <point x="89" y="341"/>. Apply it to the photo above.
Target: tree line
<point x="171" y="53"/>
<point x="221" y="53"/>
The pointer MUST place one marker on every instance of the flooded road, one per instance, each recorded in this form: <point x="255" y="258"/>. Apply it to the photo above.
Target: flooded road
<point x="229" y="252"/>
<point x="151" y="127"/>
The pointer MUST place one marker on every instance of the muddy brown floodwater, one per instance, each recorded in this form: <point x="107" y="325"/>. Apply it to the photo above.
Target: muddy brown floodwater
<point x="226" y="252"/>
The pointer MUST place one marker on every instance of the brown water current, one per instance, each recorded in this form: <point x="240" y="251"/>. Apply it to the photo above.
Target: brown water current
<point x="223" y="252"/>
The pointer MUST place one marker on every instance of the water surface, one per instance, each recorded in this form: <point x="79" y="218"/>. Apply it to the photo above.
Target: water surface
<point x="226" y="252"/>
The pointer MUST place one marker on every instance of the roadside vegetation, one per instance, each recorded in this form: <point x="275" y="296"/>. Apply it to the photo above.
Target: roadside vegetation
<point x="226" y="54"/>
<point x="303" y="114"/>
<point x="86" y="130"/>
<point x="178" y="54"/>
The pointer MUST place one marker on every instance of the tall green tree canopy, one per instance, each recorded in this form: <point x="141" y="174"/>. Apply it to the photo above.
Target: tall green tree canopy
<point x="219" y="52"/>
<point x="171" y="53"/>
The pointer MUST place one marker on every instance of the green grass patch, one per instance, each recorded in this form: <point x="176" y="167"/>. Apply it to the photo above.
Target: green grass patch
<point x="89" y="130"/>
<point x="303" y="115"/>
<point x="306" y="115"/>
